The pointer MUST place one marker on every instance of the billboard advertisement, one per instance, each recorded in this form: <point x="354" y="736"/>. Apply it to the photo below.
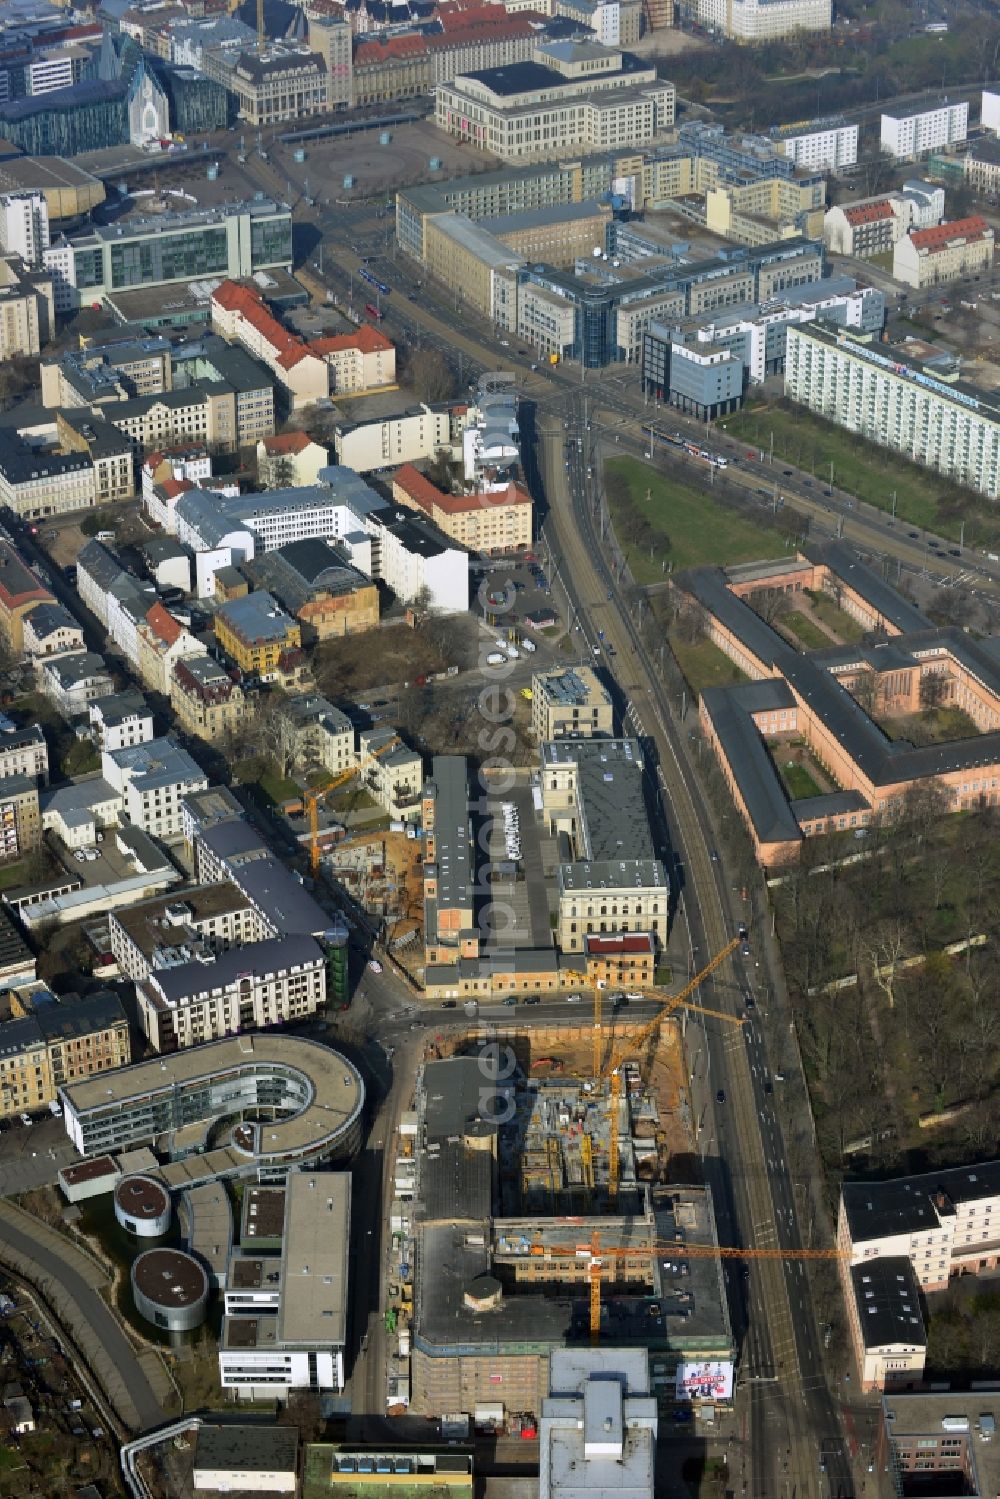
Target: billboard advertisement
<point x="710" y="1380"/>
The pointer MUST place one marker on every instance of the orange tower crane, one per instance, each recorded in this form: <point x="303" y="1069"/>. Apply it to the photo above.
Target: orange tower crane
<point x="632" y="1044"/>
<point x="314" y="796"/>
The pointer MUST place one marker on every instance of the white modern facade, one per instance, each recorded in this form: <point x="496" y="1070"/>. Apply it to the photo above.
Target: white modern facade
<point x="292" y="1333"/>
<point x="24" y="225"/>
<point x="913" y="132"/>
<point x="763" y="20"/>
<point x="820" y="145"/>
<point x="951" y="428"/>
<point x="990" y="114"/>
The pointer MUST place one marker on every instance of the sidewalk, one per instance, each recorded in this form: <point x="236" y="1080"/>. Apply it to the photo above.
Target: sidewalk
<point x="134" y="1384"/>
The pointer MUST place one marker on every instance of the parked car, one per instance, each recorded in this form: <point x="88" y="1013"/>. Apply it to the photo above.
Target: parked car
<point x="374" y="965"/>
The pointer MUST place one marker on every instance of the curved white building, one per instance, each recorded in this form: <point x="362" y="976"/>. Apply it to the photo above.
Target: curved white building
<point x="292" y="1102"/>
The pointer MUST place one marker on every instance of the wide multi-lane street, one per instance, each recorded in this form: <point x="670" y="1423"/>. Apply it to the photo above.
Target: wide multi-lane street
<point x="794" y="1443"/>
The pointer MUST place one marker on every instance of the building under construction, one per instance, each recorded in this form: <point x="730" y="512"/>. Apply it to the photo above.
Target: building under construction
<point x="555" y="1158"/>
<point x="514" y="1225"/>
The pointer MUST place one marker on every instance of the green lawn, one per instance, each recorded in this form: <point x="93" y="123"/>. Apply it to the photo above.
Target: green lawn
<point x="805" y="630"/>
<point x="839" y="621"/>
<point x="704" y="665"/>
<point x="871" y="473"/>
<point x="696" y="529"/>
<point x="255" y="771"/>
<point x="798" y="782"/>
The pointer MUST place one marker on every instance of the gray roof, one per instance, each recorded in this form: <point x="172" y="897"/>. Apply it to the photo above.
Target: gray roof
<point x="452" y="834"/>
<point x="116" y="707"/>
<point x="178" y="983"/>
<point x="300" y="571"/>
<point x="76" y="667"/>
<point x="887" y="1296"/>
<point x="80" y="1017"/>
<point x="256" y="617"/>
<point x="275" y="890"/>
<point x="78" y="796"/>
<point x="158" y="762"/>
<point x="100" y="564"/>
<point x="247" y="1448"/>
<point x="833" y="804"/>
<point x="761" y="790"/>
<point x="552" y="213"/>
<point x="46" y="619"/>
<point x="846" y="563"/>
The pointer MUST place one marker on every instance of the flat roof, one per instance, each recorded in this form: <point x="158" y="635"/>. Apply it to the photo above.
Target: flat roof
<point x="452" y="832"/>
<point x="314" y="1258"/>
<point x="161" y="922"/>
<point x="333" y="1088"/>
<point x="247" y="1447"/>
<point x="169" y="1277"/>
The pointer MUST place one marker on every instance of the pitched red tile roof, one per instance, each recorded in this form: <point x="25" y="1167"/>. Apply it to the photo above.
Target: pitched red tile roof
<point x="287" y="442"/>
<point x="374" y="52"/>
<point x="174" y="487"/>
<point x="942" y="235"/>
<point x="366" y="339"/>
<point x="427" y="495"/>
<point x="163" y="624"/>
<point x="867" y="213"/>
<point x="621" y="942"/>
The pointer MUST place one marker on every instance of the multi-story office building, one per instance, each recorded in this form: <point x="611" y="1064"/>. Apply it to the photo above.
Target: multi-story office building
<point x="763" y="20"/>
<point x="42" y="1048"/>
<point x="757" y="335"/>
<point x="286" y="1323"/>
<point x="615" y="881"/>
<point x="913" y="132"/>
<point x="313" y="1095"/>
<point x="570" y="704"/>
<point x="821" y="145"/>
<point x="24" y="225"/>
<point x="598" y="1424"/>
<point x="953" y="428"/>
<point x="570" y="95"/>
<point x="286" y="82"/>
<point x="166" y="931"/>
<point x="238" y="239"/>
<point x="332" y="39"/>
<point x="404" y="437"/>
<point x="206" y="995"/>
<point x="948" y="252"/>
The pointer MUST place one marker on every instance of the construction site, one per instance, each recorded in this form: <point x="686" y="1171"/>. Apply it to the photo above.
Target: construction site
<point x="556" y="1200"/>
<point x="383" y="873"/>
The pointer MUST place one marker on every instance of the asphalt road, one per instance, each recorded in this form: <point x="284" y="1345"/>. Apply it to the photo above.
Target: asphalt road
<point x="793" y="1422"/>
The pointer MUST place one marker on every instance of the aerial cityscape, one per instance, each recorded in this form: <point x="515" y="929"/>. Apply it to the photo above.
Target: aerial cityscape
<point x="499" y="749"/>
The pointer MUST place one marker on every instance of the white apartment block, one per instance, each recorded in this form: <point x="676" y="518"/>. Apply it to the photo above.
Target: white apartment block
<point x="152" y="780"/>
<point x="945" y="1223"/>
<point x="119" y="721"/>
<point x="819" y="145"/>
<point x="205" y="995"/>
<point x="763" y="20"/>
<point x="990" y="115"/>
<point x="391" y="772"/>
<point x="407" y="437"/>
<point x="947" y="252"/>
<point x="951" y="428"/>
<point x="23" y="752"/>
<point x="24" y="225"/>
<point x="916" y="131"/>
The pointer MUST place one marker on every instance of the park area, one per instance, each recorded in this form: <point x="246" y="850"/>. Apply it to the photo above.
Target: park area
<point x="870" y="473"/>
<point x="662" y="522"/>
